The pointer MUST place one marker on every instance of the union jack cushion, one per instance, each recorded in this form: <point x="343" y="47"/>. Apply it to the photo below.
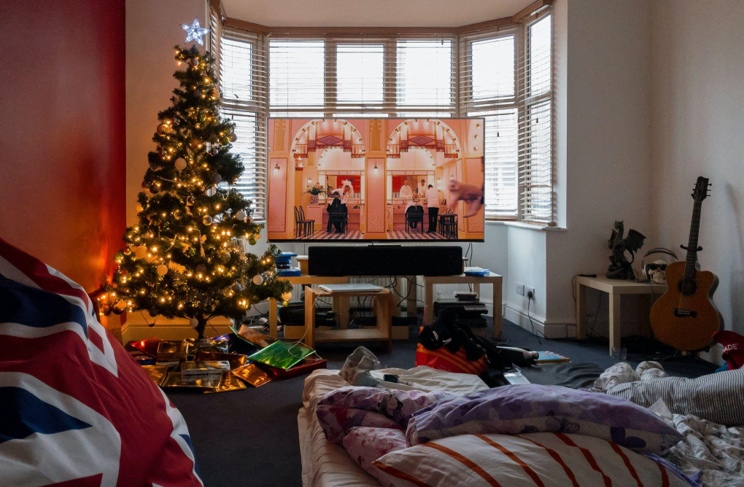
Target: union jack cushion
<point x="75" y="409"/>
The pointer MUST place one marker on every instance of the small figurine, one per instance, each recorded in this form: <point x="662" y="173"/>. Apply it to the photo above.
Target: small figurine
<point x="620" y="268"/>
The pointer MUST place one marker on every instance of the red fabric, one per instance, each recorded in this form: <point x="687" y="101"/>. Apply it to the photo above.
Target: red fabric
<point x="443" y="359"/>
<point x="68" y="364"/>
<point x="733" y="348"/>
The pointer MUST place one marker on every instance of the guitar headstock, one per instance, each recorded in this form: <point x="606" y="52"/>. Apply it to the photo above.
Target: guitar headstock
<point x="701" y="189"/>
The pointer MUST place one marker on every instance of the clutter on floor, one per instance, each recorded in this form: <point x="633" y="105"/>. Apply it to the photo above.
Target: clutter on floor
<point x="223" y="363"/>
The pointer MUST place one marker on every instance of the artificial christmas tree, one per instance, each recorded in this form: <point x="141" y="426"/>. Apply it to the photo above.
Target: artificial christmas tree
<point x="185" y="258"/>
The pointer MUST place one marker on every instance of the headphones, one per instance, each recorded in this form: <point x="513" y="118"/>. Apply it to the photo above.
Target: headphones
<point x="656" y="271"/>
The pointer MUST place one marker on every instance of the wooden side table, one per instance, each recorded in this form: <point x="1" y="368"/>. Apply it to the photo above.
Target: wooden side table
<point x="308" y="281"/>
<point x="493" y="279"/>
<point x="615" y="288"/>
<point x="383" y="311"/>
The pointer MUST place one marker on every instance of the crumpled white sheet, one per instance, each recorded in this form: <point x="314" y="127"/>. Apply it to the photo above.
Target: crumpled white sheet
<point x="622" y="372"/>
<point x="713" y="449"/>
<point x="710" y="453"/>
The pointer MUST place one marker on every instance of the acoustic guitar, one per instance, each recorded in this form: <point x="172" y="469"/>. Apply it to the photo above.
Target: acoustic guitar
<point x="685" y="317"/>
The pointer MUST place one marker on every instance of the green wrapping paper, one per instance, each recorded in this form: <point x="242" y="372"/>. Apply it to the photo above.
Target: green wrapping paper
<point x="282" y="355"/>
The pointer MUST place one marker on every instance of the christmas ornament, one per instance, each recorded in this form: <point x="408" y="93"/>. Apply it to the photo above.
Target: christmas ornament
<point x="153" y="312"/>
<point x="252" y="241"/>
<point x="194" y="32"/>
<point x="140" y="207"/>
<point x="162" y="269"/>
<point x="194" y="323"/>
<point x="201" y="268"/>
<point x="117" y="310"/>
<point x="286" y="296"/>
<point x="258" y="279"/>
<point x="237" y="287"/>
<point x="140" y="252"/>
<point x="211" y="191"/>
<point x="224" y="140"/>
<point x="190" y="200"/>
<point x="180" y="164"/>
<point x="106" y="309"/>
<point x="194" y="62"/>
<point x="207" y="220"/>
<point x="224" y="257"/>
<point x="154" y="188"/>
<point x="127" y="251"/>
<point x="162" y="128"/>
<point x="217" y="179"/>
<point x="233" y="137"/>
<point x="213" y="151"/>
<point x="240" y="215"/>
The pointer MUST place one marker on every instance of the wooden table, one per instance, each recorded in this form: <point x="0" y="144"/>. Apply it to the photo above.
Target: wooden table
<point x="383" y="311"/>
<point x="308" y="281"/>
<point x="494" y="279"/>
<point x="615" y="288"/>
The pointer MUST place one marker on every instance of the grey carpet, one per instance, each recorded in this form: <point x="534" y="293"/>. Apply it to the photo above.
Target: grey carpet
<point x="250" y="437"/>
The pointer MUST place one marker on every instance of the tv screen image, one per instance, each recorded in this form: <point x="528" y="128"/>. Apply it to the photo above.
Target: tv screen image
<point x="375" y="179"/>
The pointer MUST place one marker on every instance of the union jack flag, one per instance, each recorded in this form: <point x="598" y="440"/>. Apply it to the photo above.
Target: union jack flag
<point x="75" y="409"/>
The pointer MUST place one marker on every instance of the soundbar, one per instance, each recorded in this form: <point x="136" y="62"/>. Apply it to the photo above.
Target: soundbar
<point x="385" y="260"/>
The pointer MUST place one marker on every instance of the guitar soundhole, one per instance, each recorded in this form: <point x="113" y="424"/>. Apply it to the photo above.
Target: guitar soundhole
<point x="687" y="287"/>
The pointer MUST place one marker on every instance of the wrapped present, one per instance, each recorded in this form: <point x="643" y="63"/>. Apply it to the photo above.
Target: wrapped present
<point x="228" y="383"/>
<point x="235" y="359"/>
<point x="282" y="355"/>
<point x="251" y="374"/>
<point x="149" y="346"/>
<point x="307" y="365"/>
<point x="173" y="351"/>
<point x="191" y="371"/>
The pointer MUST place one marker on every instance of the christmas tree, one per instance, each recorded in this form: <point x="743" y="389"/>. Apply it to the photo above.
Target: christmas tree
<point x="185" y="257"/>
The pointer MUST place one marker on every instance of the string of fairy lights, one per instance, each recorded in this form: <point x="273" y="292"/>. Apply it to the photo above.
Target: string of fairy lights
<point x="185" y="257"/>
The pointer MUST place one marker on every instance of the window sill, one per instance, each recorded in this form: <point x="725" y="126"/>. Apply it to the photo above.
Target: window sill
<point x="526" y="226"/>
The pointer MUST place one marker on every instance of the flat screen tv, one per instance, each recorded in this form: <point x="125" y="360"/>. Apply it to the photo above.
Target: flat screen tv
<point x="375" y="179"/>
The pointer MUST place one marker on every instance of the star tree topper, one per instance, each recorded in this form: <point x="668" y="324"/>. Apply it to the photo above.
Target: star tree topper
<point x="194" y="32"/>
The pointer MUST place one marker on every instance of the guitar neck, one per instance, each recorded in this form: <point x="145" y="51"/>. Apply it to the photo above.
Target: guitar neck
<point x="692" y="243"/>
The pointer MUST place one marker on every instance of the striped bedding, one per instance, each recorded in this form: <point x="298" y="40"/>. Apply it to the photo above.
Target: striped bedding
<point x="716" y="397"/>
<point x="535" y="459"/>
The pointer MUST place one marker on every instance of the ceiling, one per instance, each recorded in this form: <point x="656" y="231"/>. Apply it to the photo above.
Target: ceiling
<point x="371" y="13"/>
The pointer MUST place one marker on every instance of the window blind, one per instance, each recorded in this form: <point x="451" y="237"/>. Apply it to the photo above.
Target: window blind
<point x="370" y="76"/>
<point x="488" y="89"/>
<point x="535" y="72"/>
<point x="243" y="83"/>
<point x="506" y="77"/>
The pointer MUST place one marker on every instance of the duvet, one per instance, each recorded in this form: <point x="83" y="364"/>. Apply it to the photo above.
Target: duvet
<point x="383" y="431"/>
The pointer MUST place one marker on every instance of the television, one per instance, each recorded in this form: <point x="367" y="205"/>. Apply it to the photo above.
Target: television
<point x="375" y="179"/>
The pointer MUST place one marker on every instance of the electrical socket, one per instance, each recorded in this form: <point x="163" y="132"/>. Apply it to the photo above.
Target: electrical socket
<point x="520" y="289"/>
<point x="529" y="290"/>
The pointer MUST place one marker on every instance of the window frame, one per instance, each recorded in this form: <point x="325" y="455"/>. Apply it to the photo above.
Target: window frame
<point x="462" y="101"/>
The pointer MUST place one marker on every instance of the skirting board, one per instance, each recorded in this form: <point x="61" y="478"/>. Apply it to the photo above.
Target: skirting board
<point x="551" y="331"/>
<point x="136" y="328"/>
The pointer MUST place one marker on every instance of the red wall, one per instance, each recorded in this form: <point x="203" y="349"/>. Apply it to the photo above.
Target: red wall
<point x="62" y="132"/>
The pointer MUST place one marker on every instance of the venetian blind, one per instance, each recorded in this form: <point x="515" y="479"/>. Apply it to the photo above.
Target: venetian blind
<point x="243" y="82"/>
<point x="355" y="76"/>
<point x="488" y="89"/>
<point x="535" y="77"/>
<point x="506" y="77"/>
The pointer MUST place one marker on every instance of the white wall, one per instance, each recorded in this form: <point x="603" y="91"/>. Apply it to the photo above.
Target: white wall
<point x="602" y="62"/>
<point x="698" y="130"/>
<point x="152" y="29"/>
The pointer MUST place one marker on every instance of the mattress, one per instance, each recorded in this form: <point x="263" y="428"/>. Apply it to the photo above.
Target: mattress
<point x="327" y="465"/>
